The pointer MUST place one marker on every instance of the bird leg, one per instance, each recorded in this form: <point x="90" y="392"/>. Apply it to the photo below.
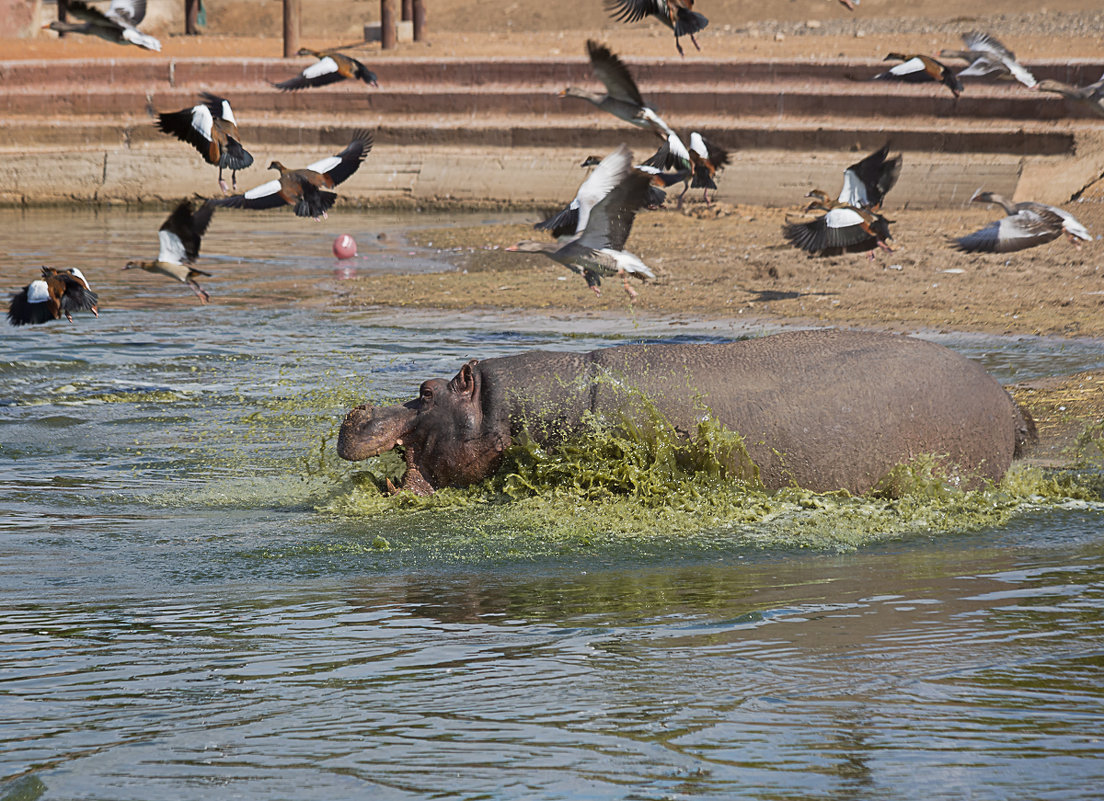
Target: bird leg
<point x="625" y="283"/>
<point x="597" y="290"/>
<point x="686" y="188"/>
<point x="199" y="291"/>
<point x="679" y="47"/>
<point x="695" y="41"/>
<point x="222" y="184"/>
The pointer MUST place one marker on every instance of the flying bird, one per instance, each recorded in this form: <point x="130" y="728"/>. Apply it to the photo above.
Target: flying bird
<point x="622" y="98"/>
<point x="566" y="221"/>
<point x="331" y="67"/>
<point x="179" y="238"/>
<point x="211" y="129"/>
<point x="308" y="190"/>
<point x="119" y="24"/>
<point x="678" y="15"/>
<point x="920" y="69"/>
<point x="841" y="229"/>
<point x="56" y="293"/>
<point x="608" y="202"/>
<point x="1028" y="224"/>
<point x="866" y="182"/>
<point x="1091" y="96"/>
<point x="985" y="55"/>
<point x="707" y="159"/>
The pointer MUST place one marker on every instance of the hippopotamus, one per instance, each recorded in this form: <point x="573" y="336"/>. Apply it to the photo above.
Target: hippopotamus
<point x="822" y="409"/>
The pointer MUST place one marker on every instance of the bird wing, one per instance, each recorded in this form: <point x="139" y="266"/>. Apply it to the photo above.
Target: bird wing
<point x="172" y="248"/>
<point x="266" y="196"/>
<point x="191" y="125"/>
<point x="218" y="107"/>
<point x="986" y="43"/>
<point x="709" y="150"/>
<point x="601" y="181"/>
<point x="322" y="72"/>
<point x="612" y="72"/>
<point x="132" y="12"/>
<point x="912" y="70"/>
<point x="338" y="168"/>
<point x="81" y="10"/>
<point x="636" y="10"/>
<point x="1070" y="224"/>
<point x="866" y="182"/>
<point x="984" y="64"/>
<point x="181" y="233"/>
<point x="37" y="291"/>
<point x="563" y="223"/>
<point x="1024" y="229"/>
<point x="612" y="218"/>
<point x="136" y="37"/>
<point x="1001" y="55"/>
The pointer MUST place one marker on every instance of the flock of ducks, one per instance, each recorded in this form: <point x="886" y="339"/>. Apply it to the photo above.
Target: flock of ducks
<point x="591" y="232"/>
<point x="211" y="128"/>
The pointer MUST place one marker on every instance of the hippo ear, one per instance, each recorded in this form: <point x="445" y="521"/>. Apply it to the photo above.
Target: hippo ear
<point x="466" y="381"/>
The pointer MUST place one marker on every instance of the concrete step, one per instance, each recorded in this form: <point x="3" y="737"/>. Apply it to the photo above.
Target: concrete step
<point x="781" y="100"/>
<point x="596" y="131"/>
<point x="520" y="177"/>
<point x="199" y="72"/>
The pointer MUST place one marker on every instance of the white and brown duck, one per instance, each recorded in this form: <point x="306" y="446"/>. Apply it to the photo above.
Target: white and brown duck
<point x="309" y="190"/>
<point x="678" y="15"/>
<point x="179" y="238"/>
<point x="210" y="127"/>
<point x="920" y="69"/>
<point x="331" y="67"/>
<point x="56" y="294"/>
<point x="841" y="229"/>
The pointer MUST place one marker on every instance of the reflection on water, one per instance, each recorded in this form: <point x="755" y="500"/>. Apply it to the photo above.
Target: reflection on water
<point x="181" y="622"/>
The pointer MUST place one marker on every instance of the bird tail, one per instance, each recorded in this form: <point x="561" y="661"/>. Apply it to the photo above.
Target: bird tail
<point x="315" y="204"/>
<point x="234" y="156"/>
<point x="703" y="178"/>
<point x="689" y="22"/>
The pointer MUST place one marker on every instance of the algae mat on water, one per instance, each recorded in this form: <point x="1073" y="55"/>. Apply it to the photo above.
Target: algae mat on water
<point x="645" y="483"/>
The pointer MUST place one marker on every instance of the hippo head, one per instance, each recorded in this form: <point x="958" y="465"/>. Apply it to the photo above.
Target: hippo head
<point x="444" y="432"/>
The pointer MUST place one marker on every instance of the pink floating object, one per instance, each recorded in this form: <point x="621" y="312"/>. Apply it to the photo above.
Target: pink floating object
<point x="344" y="247"/>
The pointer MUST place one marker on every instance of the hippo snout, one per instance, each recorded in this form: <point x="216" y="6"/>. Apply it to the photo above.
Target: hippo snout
<point x="368" y="431"/>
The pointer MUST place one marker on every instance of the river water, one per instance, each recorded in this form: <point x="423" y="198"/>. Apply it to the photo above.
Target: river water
<point x="198" y="602"/>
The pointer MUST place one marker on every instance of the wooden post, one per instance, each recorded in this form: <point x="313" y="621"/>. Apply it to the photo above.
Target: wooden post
<point x="419" y="20"/>
<point x="191" y="15"/>
<point x="387" y="24"/>
<point x="63" y="13"/>
<point x="291" y="28"/>
<point x="407" y="10"/>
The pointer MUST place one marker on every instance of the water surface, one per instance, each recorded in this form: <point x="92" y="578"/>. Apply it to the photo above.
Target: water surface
<point x="192" y="610"/>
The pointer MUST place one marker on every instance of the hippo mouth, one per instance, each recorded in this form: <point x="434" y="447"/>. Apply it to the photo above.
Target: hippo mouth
<point x="368" y="431"/>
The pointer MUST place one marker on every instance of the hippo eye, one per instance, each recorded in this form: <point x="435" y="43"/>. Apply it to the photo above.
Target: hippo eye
<point x="427" y="394"/>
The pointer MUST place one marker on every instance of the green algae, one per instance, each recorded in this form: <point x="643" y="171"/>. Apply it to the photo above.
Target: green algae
<point x="644" y="483"/>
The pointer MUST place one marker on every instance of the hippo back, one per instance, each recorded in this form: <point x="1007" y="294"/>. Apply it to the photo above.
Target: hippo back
<point x="827" y="409"/>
